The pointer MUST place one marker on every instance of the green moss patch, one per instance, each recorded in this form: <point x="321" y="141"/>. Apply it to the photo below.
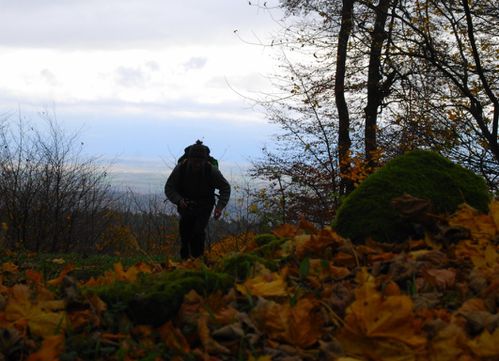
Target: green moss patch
<point x="240" y="266"/>
<point x="156" y="298"/>
<point x="367" y="212"/>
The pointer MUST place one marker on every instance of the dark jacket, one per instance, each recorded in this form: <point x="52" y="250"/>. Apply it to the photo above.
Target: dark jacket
<point x="200" y="187"/>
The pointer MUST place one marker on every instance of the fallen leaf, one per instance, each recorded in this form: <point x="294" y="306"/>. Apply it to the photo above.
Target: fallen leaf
<point x="43" y="318"/>
<point x="441" y="278"/>
<point x="486" y="345"/>
<point x="373" y="328"/>
<point x="209" y="344"/>
<point x="9" y="267"/>
<point x="58" y="280"/>
<point x="52" y="347"/>
<point x="173" y="338"/>
<point x="265" y="284"/>
<point x="299" y="325"/>
<point x="482" y="226"/>
<point x="494" y="212"/>
<point x="286" y="230"/>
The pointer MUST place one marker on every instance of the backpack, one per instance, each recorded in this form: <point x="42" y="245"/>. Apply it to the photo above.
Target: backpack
<point x="213" y="161"/>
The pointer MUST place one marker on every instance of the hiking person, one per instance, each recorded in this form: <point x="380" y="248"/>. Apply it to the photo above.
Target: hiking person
<point x="191" y="186"/>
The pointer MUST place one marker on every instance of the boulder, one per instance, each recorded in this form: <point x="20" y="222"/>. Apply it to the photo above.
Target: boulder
<point x="369" y="210"/>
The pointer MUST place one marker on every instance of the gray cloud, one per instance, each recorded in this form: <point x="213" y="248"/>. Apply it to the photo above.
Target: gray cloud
<point x="130" y="77"/>
<point x="124" y="23"/>
<point x="194" y="63"/>
<point x="49" y="77"/>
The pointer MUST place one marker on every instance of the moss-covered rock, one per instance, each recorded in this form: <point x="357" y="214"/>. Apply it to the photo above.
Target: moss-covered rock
<point x="368" y="212"/>
<point x="156" y="298"/>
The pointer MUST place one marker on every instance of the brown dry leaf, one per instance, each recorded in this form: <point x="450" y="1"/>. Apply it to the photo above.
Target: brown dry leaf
<point x="44" y="318"/>
<point x="260" y="358"/>
<point x="448" y="344"/>
<point x="317" y="243"/>
<point x="265" y="284"/>
<point x="34" y="276"/>
<point x="305" y="323"/>
<point x="97" y="304"/>
<point x="286" y="230"/>
<point x="190" y="308"/>
<point x="494" y="212"/>
<point x="486" y="345"/>
<point x="487" y="258"/>
<point x="58" y="280"/>
<point x="441" y="278"/>
<point x="173" y="338"/>
<point x="299" y="325"/>
<point x="482" y="253"/>
<point x="380" y="350"/>
<point x="345" y="259"/>
<point x="82" y="318"/>
<point x="482" y="226"/>
<point x="325" y="269"/>
<point x="9" y="267"/>
<point x="209" y="344"/>
<point x="52" y="347"/>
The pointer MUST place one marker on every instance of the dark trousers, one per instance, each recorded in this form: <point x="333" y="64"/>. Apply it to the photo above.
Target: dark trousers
<point x="192" y="227"/>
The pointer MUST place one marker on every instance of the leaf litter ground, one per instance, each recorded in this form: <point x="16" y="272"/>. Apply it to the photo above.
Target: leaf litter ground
<point x="300" y="293"/>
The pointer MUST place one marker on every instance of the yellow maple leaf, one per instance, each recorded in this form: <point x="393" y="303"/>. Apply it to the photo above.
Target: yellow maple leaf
<point x="44" y="318"/>
<point x="486" y="344"/>
<point x="264" y="284"/>
<point x="383" y="325"/>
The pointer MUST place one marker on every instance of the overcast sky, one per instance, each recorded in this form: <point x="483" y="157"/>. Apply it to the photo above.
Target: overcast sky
<point x="141" y="78"/>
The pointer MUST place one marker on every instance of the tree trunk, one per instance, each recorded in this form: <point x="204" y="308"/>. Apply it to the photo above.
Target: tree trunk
<point x="374" y="89"/>
<point x="344" y="141"/>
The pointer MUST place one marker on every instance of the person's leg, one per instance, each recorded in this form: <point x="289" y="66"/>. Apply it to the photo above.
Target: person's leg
<point x="199" y="233"/>
<point x="186" y="227"/>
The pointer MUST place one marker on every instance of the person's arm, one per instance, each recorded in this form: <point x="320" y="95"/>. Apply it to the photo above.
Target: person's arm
<point x="171" y="187"/>
<point x="220" y="183"/>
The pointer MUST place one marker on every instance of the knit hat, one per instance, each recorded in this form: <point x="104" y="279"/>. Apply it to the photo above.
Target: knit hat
<point x="198" y="150"/>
